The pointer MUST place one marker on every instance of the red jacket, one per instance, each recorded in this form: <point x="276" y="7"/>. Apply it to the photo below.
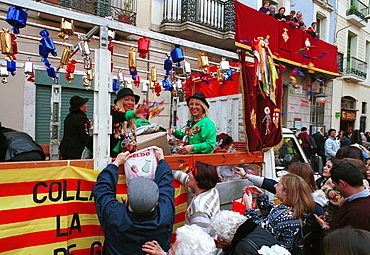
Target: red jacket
<point x="306" y="142"/>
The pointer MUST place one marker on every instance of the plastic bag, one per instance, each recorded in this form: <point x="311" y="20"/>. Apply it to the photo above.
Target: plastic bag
<point x="142" y="163"/>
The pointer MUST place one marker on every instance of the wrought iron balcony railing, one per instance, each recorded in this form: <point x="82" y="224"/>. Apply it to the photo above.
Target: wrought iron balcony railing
<point x="120" y="10"/>
<point x="358" y="8"/>
<point x="356" y="66"/>
<point x="215" y="14"/>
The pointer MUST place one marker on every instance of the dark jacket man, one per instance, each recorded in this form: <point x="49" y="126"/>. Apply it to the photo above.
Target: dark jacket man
<point x="148" y="213"/>
<point x="76" y="129"/>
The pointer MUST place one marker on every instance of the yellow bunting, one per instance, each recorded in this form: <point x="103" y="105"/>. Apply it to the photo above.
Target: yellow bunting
<point x="66" y="55"/>
<point x="203" y="61"/>
<point x="6" y="42"/>
<point x="132" y="58"/>
<point x="220" y="76"/>
<point x="67" y="28"/>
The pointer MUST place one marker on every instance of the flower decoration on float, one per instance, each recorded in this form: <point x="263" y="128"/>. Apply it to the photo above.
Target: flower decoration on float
<point x="177" y="55"/>
<point x="47" y="46"/>
<point x="143" y="47"/>
<point x="203" y="65"/>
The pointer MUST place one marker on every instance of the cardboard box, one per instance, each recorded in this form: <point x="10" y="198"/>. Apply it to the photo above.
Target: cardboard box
<point x="154" y="139"/>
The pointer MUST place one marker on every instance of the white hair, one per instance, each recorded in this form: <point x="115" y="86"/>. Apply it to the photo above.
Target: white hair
<point x="193" y="240"/>
<point x="225" y="224"/>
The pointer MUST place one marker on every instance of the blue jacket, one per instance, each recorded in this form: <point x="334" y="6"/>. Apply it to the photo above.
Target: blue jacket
<point x="124" y="231"/>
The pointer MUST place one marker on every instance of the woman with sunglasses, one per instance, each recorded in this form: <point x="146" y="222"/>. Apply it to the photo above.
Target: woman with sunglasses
<point x="283" y="221"/>
<point x="201" y="180"/>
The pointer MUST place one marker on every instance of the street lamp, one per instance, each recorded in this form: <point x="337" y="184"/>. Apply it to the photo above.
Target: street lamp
<point x="364" y="18"/>
<point x="321" y="97"/>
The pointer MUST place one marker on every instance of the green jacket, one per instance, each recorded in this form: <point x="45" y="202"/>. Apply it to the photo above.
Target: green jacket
<point x="203" y="139"/>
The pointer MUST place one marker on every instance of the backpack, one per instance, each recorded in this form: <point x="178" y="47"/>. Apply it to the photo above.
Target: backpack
<point x="313" y="142"/>
<point x="302" y="240"/>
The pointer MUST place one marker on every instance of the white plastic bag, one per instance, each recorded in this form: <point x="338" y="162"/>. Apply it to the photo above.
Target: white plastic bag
<point x="142" y="163"/>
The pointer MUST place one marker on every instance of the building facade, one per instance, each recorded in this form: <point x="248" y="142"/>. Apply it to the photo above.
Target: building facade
<point x="351" y="93"/>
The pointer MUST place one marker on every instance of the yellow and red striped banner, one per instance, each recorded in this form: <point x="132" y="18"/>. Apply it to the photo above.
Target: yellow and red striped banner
<point x="52" y="211"/>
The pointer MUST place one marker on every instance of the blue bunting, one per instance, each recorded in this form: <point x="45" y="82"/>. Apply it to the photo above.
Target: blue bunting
<point x="229" y="75"/>
<point x="11" y="66"/>
<point x="115" y="86"/>
<point x="47" y="42"/>
<point x="177" y="55"/>
<point x="305" y="55"/>
<point x="17" y="18"/>
<point x="168" y="65"/>
<point x="51" y="72"/>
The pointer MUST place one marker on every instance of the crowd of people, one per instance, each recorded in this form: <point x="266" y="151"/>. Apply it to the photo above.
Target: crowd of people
<point x="330" y="145"/>
<point x="310" y="218"/>
<point x="294" y="19"/>
<point x="310" y="213"/>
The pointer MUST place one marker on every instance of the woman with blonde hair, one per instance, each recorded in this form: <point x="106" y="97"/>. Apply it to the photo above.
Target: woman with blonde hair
<point x="284" y="220"/>
<point x="199" y="133"/>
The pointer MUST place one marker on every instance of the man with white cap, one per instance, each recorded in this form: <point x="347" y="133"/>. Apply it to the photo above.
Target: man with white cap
<point x="147" y="213"/>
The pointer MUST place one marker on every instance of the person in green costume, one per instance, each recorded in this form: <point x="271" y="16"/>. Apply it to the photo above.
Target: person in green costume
<point x="199" y="133"/>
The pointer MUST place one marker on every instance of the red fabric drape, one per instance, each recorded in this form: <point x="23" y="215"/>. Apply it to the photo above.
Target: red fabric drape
<point x="262" y="118"/>
<point x="214" y="88"/>
<point x="250" y="24"/>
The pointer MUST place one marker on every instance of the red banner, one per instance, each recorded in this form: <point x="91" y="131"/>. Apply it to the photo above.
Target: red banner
<point x="262" y="116"/>
<point x="285" y="42"/>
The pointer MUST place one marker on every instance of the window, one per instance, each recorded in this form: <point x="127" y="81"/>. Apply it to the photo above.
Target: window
<point x="317" y="112"/>
<point x="348" y="103"/>
<point x="340" y="62"/>
<point x="322" y="23"/>
<point x="367" y="52"/>
<point x="362" y="123"/>
<point x="363" y="108"/>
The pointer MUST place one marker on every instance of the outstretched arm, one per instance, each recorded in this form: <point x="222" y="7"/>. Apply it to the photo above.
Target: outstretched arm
<point x="105" y="187"/>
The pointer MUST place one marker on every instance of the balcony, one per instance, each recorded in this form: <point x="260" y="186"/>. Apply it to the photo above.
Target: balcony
<point x="206" y="21"/>
<point x="355" y="69"/>
<point x="357" y="12"/>
<point x="120" y="10"/>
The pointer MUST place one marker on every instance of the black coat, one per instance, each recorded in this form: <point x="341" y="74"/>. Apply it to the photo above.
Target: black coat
<point x="76" y="133"/>
<point x="19" y="146"/>
<point x="248" y="235"/>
